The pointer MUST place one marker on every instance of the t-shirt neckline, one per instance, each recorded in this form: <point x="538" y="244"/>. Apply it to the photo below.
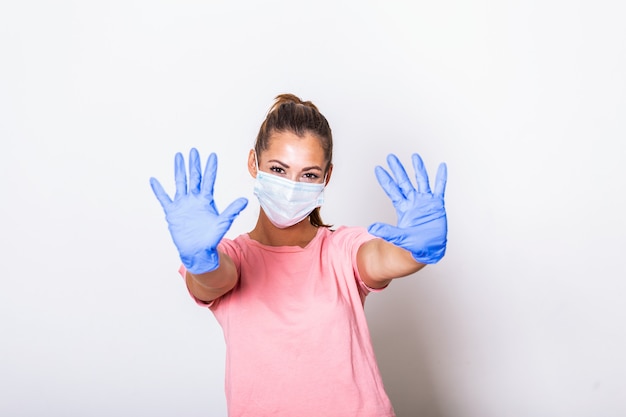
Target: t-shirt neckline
<point x="318" y="235"/>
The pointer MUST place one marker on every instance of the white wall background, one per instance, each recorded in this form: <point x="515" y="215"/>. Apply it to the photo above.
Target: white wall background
<point x="525" y="100"/>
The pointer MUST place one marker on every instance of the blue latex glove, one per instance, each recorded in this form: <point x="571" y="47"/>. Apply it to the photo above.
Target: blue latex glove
<point x="422" y="226"/>
<point x="194" y="222"/>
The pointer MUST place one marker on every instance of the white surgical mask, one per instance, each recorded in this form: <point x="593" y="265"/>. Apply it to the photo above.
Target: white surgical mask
<point x="287" y="202"/>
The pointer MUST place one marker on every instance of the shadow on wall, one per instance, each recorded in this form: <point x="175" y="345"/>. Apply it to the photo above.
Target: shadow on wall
<point x="401" y="329"/>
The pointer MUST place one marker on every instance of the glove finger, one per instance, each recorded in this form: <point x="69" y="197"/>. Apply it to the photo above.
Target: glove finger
<point x="180" y="176"/>
<point x="388" y="185"/>
<point x="225" y="220"/>
<point x="402" y="179"/>
<point x="160" y="193"/>
<point x="234" y="209"/>
<point x="421" y="176"/>
<point x="210" y="172"/>
<point x="194" y="171"/>
<point x="385" y="231"/>
<point x="441" y="180"/>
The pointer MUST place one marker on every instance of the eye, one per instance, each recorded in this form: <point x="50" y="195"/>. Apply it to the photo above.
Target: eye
<point x="311" y="176"/>
<point x="277" y="169"/>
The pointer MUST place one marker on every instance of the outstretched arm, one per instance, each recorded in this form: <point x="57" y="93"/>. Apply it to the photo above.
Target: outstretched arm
<point x="208" y="286"/>
<point x="379" y="262"/>
<point x="197" y="227"/>
<point x="420" y="236"/>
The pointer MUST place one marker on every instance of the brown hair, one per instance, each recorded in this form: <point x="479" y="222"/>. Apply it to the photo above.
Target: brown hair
<point x="290" y="114"/>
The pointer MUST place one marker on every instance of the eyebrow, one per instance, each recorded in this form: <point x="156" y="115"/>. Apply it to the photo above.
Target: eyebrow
<point x="287" y="166"/>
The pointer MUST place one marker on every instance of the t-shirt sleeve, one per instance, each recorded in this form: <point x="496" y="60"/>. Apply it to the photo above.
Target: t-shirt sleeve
<point x="352" y="238"/>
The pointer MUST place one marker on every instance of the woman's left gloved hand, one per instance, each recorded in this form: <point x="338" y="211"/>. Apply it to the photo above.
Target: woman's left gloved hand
<point x="422" y="225"/>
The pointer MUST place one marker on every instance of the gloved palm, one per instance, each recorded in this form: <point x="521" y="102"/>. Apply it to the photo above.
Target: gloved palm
<point x="194" y="222"/>
<point x="422" y="225"/>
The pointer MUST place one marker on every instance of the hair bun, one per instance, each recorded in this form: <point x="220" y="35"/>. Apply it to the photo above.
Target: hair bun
<point x="287" y="98"/>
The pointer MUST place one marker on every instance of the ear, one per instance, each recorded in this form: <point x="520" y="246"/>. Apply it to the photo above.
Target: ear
<point x="329" y="172"/>
<point x="252" y="163"/>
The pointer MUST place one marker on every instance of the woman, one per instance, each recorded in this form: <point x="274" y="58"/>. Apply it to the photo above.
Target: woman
<point x="289" y="294"/>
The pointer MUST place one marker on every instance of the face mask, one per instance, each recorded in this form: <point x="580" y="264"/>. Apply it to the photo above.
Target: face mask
<point x="287" y="202"/>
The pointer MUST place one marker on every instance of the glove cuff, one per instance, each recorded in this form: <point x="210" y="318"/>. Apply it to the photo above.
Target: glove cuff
<point x="429" y="256"/>
<point x="201" y="262"/>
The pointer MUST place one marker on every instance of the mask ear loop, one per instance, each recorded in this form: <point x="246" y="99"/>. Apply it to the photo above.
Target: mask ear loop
<point x="326" y="177"/>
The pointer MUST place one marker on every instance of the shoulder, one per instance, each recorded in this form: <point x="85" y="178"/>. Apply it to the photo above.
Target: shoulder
<point x="235" y="247"/>
<point x="348" y="238"/>
<point x="350" y="234"/>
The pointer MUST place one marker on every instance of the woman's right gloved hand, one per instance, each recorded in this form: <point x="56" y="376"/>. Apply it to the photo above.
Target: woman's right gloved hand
<point x="194" y="222"/>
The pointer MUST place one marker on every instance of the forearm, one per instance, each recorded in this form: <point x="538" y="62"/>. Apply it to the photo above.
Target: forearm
<point x="380" y="261"/>
<point x="211" y="285"/>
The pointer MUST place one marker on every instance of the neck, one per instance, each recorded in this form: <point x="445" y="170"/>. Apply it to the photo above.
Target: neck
<point x="300" y="234"/>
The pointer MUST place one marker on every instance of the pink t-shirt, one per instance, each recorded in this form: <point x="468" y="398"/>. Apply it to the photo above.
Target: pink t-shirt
<point x="296" y="335"/>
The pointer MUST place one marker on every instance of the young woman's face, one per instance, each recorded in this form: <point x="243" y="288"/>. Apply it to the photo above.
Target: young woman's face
<point x="292" y="157"/>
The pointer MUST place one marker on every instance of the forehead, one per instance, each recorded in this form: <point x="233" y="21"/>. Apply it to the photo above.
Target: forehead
<point x="296" y="148"/>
